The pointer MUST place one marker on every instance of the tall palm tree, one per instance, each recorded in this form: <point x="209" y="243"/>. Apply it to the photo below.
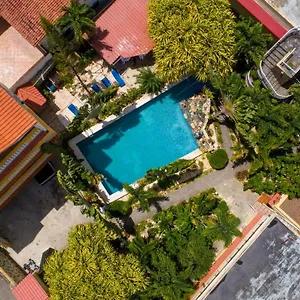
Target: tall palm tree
<point x="79" y="18"/>
<point x="141" y="196"/>
<point x="223" y="226"/>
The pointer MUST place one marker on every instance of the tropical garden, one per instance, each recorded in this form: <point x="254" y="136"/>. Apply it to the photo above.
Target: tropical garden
<point x="166" y="258"/>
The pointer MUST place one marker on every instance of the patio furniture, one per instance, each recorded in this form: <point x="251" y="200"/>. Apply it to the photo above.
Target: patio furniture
<point x="73" y="109"/>
<point x="50" y="86"/>
<point x="96" y="88"/>
<point x="106" y="82"/>
<point x="118" y="77"/>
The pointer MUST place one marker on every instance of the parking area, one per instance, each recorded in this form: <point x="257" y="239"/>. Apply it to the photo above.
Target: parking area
<point x="269" y="269"/>
<point x="37" y="219"/>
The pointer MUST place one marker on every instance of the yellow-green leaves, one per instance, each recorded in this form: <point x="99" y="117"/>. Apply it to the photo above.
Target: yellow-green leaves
<point x="192" y="37"/>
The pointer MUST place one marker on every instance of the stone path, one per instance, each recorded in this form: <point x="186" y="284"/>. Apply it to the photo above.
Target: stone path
<point x="225" y="183"/>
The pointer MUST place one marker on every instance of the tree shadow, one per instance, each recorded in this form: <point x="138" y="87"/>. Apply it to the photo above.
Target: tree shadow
<point x="156" y="202"/>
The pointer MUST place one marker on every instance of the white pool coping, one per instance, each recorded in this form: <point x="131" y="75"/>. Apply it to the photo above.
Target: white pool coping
<point x="99" y="126"/>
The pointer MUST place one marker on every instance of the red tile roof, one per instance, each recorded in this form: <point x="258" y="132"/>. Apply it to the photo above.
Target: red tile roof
<point x="32" y="97"/>
<point x="24" y="16"/>
<point x="263" y="17"/>
<point x="14" y="120"/>
<point x="122" y="30"/>
<point x="29" y="289"/>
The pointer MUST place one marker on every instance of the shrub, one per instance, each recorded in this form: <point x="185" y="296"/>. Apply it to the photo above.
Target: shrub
<point x="119" y="208"/>
<point x="218" y="160"/>
<point x="219" y="133"/>
<point x="242" y="175"/>
<point x="48" y="95"/>
<point x="105" y="96"/>
<point x="148" y="81"/>
<point x="50" y="147"/>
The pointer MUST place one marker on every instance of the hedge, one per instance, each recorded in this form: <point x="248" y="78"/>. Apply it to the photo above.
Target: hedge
<point x="218" y="159"/>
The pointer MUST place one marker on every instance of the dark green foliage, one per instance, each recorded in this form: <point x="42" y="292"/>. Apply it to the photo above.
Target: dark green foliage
<point x="119" y="208"/>
<point x="252" y="42"/>
<point x="103" y="97"/>
<point x="177" y="249"/>
<point x="223" y="225"/>
<point x="48" y="95"/>
<point x="166" y="175"/>
<point x="51" y="147"/>
<point x="79" y="124"/>
<point x="78" y="17"/>
<point x="218" y="159"/>
<point x="282" y="176"/>
<point x="219" y="133"/>
<point x="149" y="82"/>
<point x="115" y="106"/>
<point x="141" y="196"/>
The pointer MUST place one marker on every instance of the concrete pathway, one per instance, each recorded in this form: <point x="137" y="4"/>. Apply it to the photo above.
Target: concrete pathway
<point x="225" y="183"/>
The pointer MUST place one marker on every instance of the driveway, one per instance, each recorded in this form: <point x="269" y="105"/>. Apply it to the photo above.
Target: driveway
<point x="225" y="183"/>
<point x="5" y="291"/>
<point x="38" y="218"/>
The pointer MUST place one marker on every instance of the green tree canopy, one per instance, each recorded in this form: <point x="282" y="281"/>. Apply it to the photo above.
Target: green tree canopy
<point x="252" y="42"/>
<point x="78" y="17"/>
<point x="192" y="37"/>
<point x="90" y="268"/>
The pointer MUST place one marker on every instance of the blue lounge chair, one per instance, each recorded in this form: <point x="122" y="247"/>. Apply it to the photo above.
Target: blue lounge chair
<point x="106" y="82"/>
<point x="118" y="78"/>
<point x="96" y="88"/>
<point x="73" y="109"/>
<point x="50" y="86"/>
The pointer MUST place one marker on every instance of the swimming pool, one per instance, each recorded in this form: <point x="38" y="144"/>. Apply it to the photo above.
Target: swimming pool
<point x="151" y="136"/>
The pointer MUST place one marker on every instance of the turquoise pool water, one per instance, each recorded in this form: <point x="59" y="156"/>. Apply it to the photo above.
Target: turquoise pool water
<point x="151" y="136"/>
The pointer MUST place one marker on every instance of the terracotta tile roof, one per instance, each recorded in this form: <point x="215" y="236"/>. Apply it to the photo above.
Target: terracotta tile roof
<point x="29" y="289"/>
<point x="264" y="198"/>
<point x="14" y="120"/>
<point x="122" y="31"/>
<point x="292" y="208"/>
<point x="24" y="16"/>
<point x="32" y="97"/>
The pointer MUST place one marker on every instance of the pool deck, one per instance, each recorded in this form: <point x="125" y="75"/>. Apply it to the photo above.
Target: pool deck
<point x="73" y="143"/>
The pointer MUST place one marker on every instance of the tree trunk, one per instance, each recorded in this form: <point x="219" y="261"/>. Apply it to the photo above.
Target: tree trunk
<point x="81" y="82"/>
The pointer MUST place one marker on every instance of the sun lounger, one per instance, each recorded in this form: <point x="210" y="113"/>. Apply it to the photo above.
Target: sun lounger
<point x="106" y="82"/>
<point x="73" y="109"/>
<point x="118" y="78"/>
<point x="96" y="88"/>
<point x="50" y="86"/>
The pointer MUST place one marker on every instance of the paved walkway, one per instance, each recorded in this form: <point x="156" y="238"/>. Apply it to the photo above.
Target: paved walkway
<point x="223" y="181"/>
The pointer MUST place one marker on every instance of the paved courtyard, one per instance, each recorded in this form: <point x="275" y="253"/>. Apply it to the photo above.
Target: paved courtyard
<point x="38" y="218"/>
<point x="240" y="202"/>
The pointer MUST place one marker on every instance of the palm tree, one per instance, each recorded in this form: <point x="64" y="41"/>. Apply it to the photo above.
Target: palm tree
<point x="223" y="226"/>
<point x="141" y="196"/>
<point x="148" y="81"/>
<point x="142" y="249"/>
<point x="79" y="18"/>
<point x="63" y="53"/>
<point x="252" y="42"/>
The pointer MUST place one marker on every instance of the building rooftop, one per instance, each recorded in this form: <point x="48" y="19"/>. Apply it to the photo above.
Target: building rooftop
<point x="30" y="289"/>
<point x="122" y="31"/>
<point x="31" y="97"/>
<point x="289" y="9"/>
<point x="24" y="16"/>
<point x="292" y="209"/>
<point x="17" y="55"/>
<point x="269" y="269"/>
<point x="15" y="121"/>
<point x="280" y="66"/>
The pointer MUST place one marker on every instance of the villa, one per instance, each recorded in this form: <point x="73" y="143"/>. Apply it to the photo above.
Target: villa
<point x="22" y="134"/>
